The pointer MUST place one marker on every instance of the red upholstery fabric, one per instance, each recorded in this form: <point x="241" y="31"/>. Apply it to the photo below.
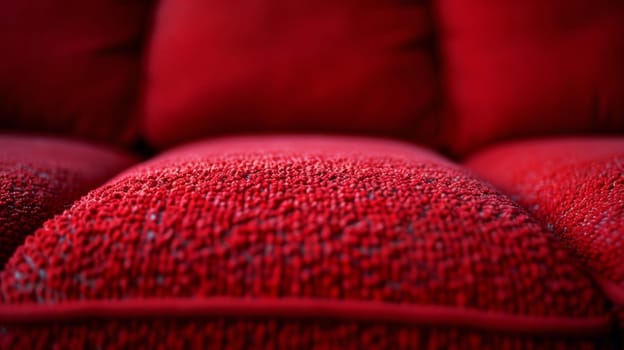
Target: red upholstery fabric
<point x="40" y="177"/>
<point x="253" y="238"/>
<point x="275" y="334"/>
<point x="71" y="67"/>
<point x="576" y="188"/>
<point x="533" y="67"/>
<point x="363" y="66"/>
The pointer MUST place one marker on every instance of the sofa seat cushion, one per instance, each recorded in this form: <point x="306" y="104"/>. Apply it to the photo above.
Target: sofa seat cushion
<point x="575" y="186"/>
<point x="298" y="241"/>
<point x="357" y="66"/>
<point x="40" y="177"/>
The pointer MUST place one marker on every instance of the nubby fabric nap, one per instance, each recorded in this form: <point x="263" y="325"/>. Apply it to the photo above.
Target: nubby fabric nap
<point x="305" y="242"/>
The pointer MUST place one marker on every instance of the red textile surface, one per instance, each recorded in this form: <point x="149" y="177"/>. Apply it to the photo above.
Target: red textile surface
<point x="40" y="177"/>
<point x="358" y="66"/>
<point x="576" y="188"/>
<point x="274" y="334"/>
<point x="71" y="66"/>
<point x="532" y="67"/>
<point x="309" y="218"/>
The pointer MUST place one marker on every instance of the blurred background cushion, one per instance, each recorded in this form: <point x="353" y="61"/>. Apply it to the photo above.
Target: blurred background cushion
<point x="576" y="188"/>
<point x="351" y="66"/>
<point x="71" y="67"/>
<point x="40" y="177"/>
<point x="287" y="241"/>
<point x="529" y="68"/>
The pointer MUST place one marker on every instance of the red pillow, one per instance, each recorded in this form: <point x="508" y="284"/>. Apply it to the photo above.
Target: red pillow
<point x="576" y="188"/>
<point x="40" y="177"/>
<point x="532" y="67"/>
<point x="359" y="66"/>
<point x="71" y="66"/>
<point x="298" y="242"/>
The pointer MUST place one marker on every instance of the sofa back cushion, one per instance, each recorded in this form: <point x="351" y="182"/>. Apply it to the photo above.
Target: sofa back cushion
<point x="533" y="67"/>
<point x="446" y="73"/>
<point x="71" y="67"/>
<point x="250" y="66"/>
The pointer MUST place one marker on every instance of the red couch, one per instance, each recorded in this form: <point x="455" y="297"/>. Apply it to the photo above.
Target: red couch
<point x="322" y="174"/>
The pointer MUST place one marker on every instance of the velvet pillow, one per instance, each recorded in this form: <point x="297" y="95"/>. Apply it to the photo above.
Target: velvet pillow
<point x="576" y="188"/>
<point x="358" y="66"/>
<point x="303" y="242"/>
<point x="40" y="177"/>
<point x="532" y="67"/>
<point x="71" y="67"/>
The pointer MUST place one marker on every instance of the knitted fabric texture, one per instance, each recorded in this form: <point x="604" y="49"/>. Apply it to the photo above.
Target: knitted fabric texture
<point x="310" y="219"/>
<point x="40" y="177"/>
<point x="576" y="188"/>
